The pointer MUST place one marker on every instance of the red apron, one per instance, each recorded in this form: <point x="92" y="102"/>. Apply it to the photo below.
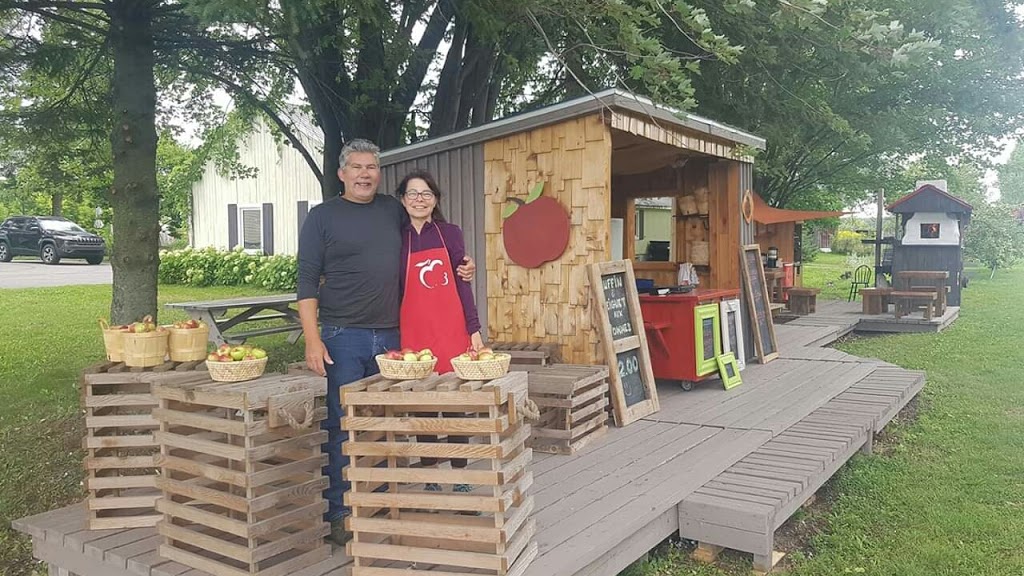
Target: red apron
<point x="432" y="315"/>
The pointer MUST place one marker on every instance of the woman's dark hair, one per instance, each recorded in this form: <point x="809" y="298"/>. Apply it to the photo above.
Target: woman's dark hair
<point x="436" y="215"/>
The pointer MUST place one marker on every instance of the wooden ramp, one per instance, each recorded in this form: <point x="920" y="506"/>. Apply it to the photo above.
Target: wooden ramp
<point x="744" y="505"/>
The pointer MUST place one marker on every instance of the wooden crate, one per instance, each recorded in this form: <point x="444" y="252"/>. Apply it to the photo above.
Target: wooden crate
<point x="573" y="402"/>
<point x="241" y="474"/>
<point x="400" y="528"/>
<point x="120" y="449"/>
<point x="529" y="353"/>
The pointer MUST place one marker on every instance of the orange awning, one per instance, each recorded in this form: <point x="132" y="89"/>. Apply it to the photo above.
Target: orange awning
<point x="766" y="214"/>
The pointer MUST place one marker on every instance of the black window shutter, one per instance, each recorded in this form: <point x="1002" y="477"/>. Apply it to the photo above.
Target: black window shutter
<point x="232" y="226"/>
<point x="303" y="209"/>
<point x="268" y="228"/>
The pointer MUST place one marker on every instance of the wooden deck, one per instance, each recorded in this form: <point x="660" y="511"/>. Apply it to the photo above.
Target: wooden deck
<point x="840" y="313"/>
<point x="721" y="467"/>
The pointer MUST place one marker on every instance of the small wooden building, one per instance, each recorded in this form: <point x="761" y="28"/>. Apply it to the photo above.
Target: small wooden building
<point x="930" y="234"/>
<point x="594" y="156"/>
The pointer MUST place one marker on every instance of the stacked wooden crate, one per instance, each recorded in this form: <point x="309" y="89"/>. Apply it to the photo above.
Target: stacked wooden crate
<point x="241" y="474"/>
<point x="573" y="402"/>
<point x="529" y="353"/>
<point x="399" y="527"/>
<point x="119" y="443"/>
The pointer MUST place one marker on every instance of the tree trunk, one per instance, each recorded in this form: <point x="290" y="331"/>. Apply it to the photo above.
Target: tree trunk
<point x="134" y="196"/>
<point x="57" y="204"/>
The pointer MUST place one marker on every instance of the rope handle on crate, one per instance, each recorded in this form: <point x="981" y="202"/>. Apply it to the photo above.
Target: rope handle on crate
<point x="104" y="325"/>
<point x="307" y="419"/>
<point x="530" y="411"/>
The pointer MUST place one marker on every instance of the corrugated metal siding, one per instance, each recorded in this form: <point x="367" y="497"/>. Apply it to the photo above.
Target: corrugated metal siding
<point x="460" y="174"/>
<point x="284" y="180"/>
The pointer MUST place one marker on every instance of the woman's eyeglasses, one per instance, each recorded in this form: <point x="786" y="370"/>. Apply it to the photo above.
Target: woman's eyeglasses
<point x="424" y="195"/>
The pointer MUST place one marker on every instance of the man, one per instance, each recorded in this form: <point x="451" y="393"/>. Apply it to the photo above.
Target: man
<point x="354" y="243"/>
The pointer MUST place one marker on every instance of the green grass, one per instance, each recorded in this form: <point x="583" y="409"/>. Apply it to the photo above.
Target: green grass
<point x="826" y="272"/>
<point x="947" y="496"/>
<point x="47" y="336"/>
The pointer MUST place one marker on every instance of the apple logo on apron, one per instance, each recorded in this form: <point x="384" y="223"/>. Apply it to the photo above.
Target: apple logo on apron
<point x="427" y="266"/>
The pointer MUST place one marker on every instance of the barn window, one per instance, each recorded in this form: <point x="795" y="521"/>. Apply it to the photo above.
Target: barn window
<point x="251" y="218"/>
<point x="930" y="231"/>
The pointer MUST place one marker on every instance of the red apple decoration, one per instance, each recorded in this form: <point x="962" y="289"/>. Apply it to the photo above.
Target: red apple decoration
<point x="535" y="231"/>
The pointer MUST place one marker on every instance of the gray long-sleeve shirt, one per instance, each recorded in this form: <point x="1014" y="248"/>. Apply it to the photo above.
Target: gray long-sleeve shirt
<point x="357" y="249"/>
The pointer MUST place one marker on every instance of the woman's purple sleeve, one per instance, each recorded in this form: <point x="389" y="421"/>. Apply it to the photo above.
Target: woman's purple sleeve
<point x="457" y="251"/>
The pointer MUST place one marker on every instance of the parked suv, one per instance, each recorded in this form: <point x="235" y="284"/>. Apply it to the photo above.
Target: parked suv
<point x="49" y="237"/>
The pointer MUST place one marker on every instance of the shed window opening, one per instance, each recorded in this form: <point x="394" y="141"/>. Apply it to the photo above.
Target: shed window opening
<point x="252" y="229"/>
<point x="930" y="231"/>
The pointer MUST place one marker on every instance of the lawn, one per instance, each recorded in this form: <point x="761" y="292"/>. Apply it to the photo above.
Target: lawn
<point x="946" y="495"/>
<point x="47" y="336"/>
<point x="826" y="271"/>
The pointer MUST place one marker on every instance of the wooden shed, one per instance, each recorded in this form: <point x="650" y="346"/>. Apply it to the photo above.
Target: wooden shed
<point x="930" y="234"/>
<point x="594" y="156"/>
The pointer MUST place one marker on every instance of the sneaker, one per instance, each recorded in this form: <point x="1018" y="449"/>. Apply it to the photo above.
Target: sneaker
<point x="432" y="487"/>
<point x="462" y="488"/>
<point x="339" y="535"/>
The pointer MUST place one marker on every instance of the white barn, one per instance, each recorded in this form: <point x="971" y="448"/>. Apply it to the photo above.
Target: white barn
<point x="262" y="214"/>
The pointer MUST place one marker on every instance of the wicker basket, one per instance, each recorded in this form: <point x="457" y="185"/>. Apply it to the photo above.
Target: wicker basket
<point x="187" y="344"/>
<point x="482" y="369"/>
<point x="113" y="341"/>
<point x="402" y="370"/>
<point x="238" y="371"/>
<point x="145" y="349"/>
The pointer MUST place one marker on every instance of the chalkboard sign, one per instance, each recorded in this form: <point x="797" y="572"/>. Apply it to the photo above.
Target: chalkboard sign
<point x="629" y="374"/>
<point x="617" y="313"/>
<point x="758" y="303"/>
<point x="614" y="287"/>
<point x="708" y="328"/>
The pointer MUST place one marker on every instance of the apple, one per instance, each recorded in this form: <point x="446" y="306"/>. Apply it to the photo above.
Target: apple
<point x="258" y="353"/>
<point x="426" y="357"/>
<point x="224" y="349"/>
<point x="410" y="357"/>
<point x="224" y="358"/>
<point x="249" y="357"/>
<point x="535" y="231"/>
<point x="237" y="353"/>
<point x="138" y="327"/>
<point x="213" y="357"/>
<point x="426" y="352"/>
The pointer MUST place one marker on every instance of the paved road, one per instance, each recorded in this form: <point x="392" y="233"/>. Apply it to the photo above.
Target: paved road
<point x="35" y="274"/>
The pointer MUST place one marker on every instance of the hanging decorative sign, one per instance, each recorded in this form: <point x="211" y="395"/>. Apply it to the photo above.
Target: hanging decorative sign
<point x="535" y="231"/>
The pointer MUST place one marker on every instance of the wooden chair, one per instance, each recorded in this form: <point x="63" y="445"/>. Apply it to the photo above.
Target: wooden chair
<point x="861" y="277"/>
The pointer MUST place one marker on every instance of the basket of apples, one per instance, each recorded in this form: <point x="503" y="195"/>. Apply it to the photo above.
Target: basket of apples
<point x="236" y="363"/>
<point x="482" y="364"/>
<point x="187" y="341"/>
<point x="113" y="340"/>
<point x="145" y="344"/>
<point x="406" y="364"/>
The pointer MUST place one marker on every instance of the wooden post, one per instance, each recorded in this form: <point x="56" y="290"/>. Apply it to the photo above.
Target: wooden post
<point x="880" y="201"/>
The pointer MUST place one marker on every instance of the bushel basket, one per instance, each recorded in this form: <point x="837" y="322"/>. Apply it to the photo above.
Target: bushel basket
<point x="402" y="370"/>
<point x="113" y="341"/>
<point x="237" y="371"/>
<point x="482" y="369"/>
<point x="145" y="349"/>
<point x="187" y="344"/>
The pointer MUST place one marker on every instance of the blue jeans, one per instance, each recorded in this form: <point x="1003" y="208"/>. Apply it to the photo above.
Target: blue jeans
<point x="353" y="351"/>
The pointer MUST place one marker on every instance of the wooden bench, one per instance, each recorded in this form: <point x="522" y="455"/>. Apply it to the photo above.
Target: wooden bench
<point x="875" y="300"/>
<point x="803" y="301"/>
<point x="904" y="302"/>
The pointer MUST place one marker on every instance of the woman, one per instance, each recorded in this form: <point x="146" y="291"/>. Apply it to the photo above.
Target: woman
<point x="437" y="311"/>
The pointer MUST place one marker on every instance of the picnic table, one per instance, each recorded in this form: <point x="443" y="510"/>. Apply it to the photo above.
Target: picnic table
<point x="924" y="280"/>
<point x="244" y="310"/>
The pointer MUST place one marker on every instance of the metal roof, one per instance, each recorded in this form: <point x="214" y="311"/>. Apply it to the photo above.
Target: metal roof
<point x="606" y="100"/>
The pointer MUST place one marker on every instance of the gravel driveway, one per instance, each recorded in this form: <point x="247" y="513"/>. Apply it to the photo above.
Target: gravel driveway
<point x="35" y="274"/>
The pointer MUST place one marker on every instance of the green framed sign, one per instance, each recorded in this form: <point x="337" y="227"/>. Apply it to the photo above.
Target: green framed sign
<point x="729" y="370"/>
<point x="707" y="338"/>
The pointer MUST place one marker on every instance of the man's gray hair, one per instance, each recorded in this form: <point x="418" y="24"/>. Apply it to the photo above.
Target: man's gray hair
<point x="355" y="146"/>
